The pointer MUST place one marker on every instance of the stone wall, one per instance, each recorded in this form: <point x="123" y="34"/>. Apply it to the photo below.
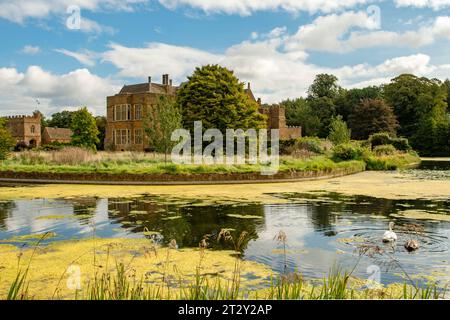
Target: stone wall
<point x="25" y="129"/>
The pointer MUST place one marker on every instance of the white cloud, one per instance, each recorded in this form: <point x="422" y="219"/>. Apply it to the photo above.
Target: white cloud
<point x="434" y="4"/>
<point x="86" y="57"/>
<point x="19" y="91"/>
<point x="247" y="7"/>
<point x="363" y="74"/>
<point x="157" y="59"/>
<point x="336" y="33"/>
<point x="275" y="74"/>
<point x="28" y="49"/>
<point x="91" y="26"/>
<point x="19" y="10"/>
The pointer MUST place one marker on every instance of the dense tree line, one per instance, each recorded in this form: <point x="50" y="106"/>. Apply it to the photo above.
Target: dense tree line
<point x="416" y="108"/>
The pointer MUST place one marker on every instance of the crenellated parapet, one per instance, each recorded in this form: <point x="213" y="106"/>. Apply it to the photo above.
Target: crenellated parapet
<point x="35" y="116"/>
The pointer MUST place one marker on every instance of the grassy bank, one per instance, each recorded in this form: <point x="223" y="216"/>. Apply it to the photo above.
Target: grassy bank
<point x="393" y="162"/>
<point x="79" y="161"/>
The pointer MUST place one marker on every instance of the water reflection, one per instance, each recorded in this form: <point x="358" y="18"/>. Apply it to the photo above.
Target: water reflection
<point x="317" y="226"/>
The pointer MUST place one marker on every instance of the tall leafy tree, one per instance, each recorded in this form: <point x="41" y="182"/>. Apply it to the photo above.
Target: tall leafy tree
<point x="85" y="131"/>
<point x="447" y="88"/>
<point x="160" y="122"/>
<point x="324" y="85"/>
<point x="61" y="119"/>
<point x="101" y="126"/>
<point x="322" y="95"/>
<point x="372" y="116"/>
<point x="215" y="96"/>
<point x="6" y="140"/>
<point x="299" y="113"/>
<point x="420" y="105"/>
<point x="347" y="100"/>
<point x="43" y="120"/>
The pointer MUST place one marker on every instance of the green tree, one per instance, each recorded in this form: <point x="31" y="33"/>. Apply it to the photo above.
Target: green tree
<point x="84" y="127"/>
<point x="61" y="119"/>
<point x="215" y="96"/>
<point x="6" y="141"/>
<point x="43" y="120"/>
<point x="339" y="132"/>
<point x="420" y="105"/>
<point x="101" y="126"/>
<point x="299" y="113"/>
<point x="372" y="116"/>
<point x="322" y="95"/>
<point x="324" y="85"/>
<point x="347" y="100"/>
<point x="447" y="88"/>
<point x="323" y="108"/>
<point x="159" y="124"/>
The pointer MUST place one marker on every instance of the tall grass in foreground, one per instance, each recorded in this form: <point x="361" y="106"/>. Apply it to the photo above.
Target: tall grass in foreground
<point x="123" y="284"/>
<point x="119" y="286"/>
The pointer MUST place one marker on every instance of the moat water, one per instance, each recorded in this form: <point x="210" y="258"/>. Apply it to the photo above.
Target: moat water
<point x="323" y="229"/>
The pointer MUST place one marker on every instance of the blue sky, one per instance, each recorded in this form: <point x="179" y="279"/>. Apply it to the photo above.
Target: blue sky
<point x="277" y="45"/>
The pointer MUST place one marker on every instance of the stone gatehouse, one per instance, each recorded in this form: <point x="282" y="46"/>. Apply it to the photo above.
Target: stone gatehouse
<point x="127" y="109"/>
<point x="25" y="129"/>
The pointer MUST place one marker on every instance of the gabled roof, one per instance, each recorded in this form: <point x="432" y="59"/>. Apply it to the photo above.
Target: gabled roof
<point x="58" y="133"/>
<point x="250" y="94"/>
<point x="144" y="88"/>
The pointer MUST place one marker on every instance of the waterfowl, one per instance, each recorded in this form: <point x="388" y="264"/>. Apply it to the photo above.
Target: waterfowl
<point x="390" y="236"/>
<point x="411" y="245"/>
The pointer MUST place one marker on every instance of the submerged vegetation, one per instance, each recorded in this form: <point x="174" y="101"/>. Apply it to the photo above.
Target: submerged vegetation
<point x="137" y="269"/>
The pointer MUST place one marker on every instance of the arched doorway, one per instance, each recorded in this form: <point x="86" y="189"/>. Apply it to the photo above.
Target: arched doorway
<point x="32" y="143"/>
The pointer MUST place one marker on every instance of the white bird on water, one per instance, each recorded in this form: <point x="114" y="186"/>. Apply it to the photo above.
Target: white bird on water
<point x="390" y="236"/>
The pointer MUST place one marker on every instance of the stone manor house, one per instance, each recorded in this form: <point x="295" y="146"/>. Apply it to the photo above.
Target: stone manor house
<point x="127" y="109"/>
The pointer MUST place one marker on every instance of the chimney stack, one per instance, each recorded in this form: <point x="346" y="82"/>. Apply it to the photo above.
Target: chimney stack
<point x="149" y="84"/>
<point x="248" y="85"/>
<point x="259" y="101"/>
<point x="165" y="79"/>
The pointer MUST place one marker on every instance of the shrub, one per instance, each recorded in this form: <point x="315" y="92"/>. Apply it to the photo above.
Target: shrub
<point x="383" y="138"/>
<point x="311" y="144"/>
<point x="54" y="146"/>
<point x="401" y="144"/>
<point x="21" y="146"/>
<point x="306" y="146"/>
<point x="339" y="132"/>
<point x="384" y="150"/>
<point x="347" y="151"/>
<point x="379" y="139"/>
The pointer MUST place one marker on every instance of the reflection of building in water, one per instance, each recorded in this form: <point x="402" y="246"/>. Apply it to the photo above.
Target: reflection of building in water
<point x="24" y="217"/>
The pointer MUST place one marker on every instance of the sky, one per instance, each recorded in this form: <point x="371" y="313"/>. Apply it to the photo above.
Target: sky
<point x="62" y="54"/>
